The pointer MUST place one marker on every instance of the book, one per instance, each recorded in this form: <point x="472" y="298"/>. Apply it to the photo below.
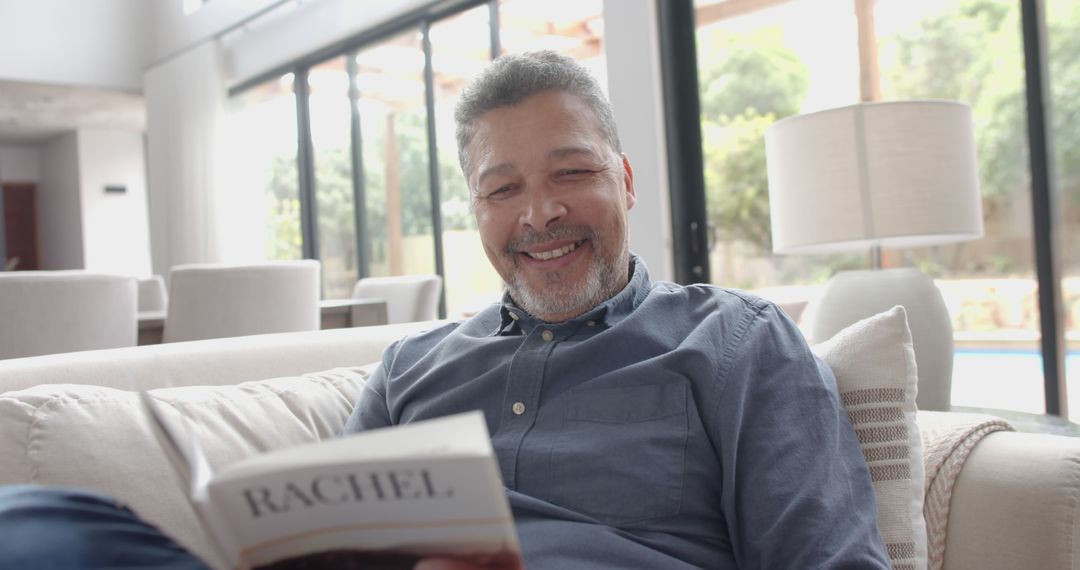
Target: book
<point x="381" y="499"/>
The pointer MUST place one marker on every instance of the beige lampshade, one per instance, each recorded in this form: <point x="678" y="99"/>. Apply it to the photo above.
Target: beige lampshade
<point x="896" y="174"/>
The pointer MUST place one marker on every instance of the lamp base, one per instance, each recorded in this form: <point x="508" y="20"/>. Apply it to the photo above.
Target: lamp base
<point x="851" y="296"/>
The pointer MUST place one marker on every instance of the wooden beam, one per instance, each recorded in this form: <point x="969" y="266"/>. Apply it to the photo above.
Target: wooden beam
<point x="869" y="74"/>
<point x="710" y="13"/>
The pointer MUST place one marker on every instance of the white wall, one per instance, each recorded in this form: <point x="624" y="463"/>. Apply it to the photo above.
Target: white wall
<point x="184" y="108"/>
<point x="173" y="31"/>
<point x="282" y="30"/>
<point x="19" y="163"/>
<point x="631" y="45"/>
<point x="59" y="205"/>
<point x="103" y="43"/>
<point x="79" y="226"/>
<point x="116" y="232"/>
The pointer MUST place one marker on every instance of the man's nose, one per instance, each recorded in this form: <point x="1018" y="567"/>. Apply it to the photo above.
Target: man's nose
<point x="542" y="209"/>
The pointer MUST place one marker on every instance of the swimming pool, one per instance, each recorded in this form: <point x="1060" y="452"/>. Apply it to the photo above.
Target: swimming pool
<point x="1008" y="378"/>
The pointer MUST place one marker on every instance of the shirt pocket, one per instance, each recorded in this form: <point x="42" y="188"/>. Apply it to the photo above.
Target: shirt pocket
<point x="619" y="457"/>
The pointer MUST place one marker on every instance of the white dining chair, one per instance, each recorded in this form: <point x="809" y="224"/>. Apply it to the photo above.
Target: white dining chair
<point x="152" y="294"/>
<point x="49" y="312"/>
<point x="408" y="298"/>
<point x="215" y="301"/>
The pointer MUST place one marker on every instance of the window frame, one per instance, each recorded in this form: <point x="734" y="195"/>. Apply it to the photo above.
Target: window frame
<point x="678" y="44"/>
<point x="420" y="20"/>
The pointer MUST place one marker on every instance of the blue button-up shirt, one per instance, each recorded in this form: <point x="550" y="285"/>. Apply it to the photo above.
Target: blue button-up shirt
<point x="670" y="427"/>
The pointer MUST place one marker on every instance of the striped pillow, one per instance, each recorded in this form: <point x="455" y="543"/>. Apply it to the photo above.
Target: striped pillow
<point x="874" y="364"/>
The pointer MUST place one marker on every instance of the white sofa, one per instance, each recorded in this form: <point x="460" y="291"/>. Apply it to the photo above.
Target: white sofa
<point x="71" y="419"/>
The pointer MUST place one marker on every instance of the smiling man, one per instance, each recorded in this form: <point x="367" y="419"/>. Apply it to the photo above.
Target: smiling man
<point x="637" y="424"/>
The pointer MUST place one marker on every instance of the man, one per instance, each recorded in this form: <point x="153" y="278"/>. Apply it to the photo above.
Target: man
<point x="637" y="425"/>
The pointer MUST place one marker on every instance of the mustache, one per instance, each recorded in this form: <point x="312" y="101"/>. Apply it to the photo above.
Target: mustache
<point x="559" y="232"/>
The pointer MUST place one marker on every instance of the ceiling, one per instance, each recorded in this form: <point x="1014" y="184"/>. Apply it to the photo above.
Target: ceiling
<point x="31" y="113"/>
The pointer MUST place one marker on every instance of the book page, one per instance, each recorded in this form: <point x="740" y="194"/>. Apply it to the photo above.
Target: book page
<point x="458" y="435"/>
<point x="430" y="487"/>
<point x="447" y="506"/>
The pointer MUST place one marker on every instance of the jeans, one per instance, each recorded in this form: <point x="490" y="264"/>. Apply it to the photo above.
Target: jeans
<point x="62" y="528"/>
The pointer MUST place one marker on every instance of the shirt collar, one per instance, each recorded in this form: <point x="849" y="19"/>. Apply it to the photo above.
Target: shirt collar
<point x="609" y="313"/>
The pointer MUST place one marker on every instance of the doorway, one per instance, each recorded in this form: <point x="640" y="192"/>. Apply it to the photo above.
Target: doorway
<point x="20" y="226"/>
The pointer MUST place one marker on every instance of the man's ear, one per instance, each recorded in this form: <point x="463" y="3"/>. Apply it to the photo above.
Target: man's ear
<point x="628" y="180"/>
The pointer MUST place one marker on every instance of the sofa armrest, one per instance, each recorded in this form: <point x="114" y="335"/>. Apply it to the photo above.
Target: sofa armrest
<point x="1016" y="504"/>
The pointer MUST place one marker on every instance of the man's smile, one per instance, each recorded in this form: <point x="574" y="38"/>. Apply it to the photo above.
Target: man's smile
<point x="555" y="252"/>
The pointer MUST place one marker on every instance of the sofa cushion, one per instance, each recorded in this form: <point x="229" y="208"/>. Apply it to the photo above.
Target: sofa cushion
<point x="874" y="364"/>
<point x="98" y="437"/>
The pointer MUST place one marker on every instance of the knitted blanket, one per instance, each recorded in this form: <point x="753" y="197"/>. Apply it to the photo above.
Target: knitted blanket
<point x="947" y="441"/>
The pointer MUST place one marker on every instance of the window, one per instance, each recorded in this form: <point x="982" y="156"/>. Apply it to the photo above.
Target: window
<point x="262" y="120"/>
<point x="331" y="120"/>
<point x="331" y="135"/>
<point x="972" y="51"/>
<point x="1063" y="47"/>
<point x="755" y="68"/>
<point x="393" y="119"/>
<point x="460" y="48"/>
<point x="386" y="204"/>
<point x="759" y="64"/>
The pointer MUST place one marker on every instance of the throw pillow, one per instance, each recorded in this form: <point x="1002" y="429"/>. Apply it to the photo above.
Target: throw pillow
<point x="874" y="364"/>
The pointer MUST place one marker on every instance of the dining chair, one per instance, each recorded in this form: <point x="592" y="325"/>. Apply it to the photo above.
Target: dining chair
<point x="49" y="312"/>
<point x="408" y="297"/>
<point x="152" y="294"/>
<point x="216" y="300"/>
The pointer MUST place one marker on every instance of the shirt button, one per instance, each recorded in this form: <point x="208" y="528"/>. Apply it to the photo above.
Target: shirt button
<point x="547" y="335"/>
<point x="590" y="323"/>
<point x="518" y="408"/>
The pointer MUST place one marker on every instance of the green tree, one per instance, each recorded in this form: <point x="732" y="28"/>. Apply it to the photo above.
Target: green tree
<point x="754" y="70"/>
<point x="748" y="81"/>
<point x="410" y="142"/>
<point x="1063" y="45"/>
<point x="334" y="189"/>
<point x="412" y="148"/>
<point x="283" y="205"/>
<point x="970" y="51"/>
<point x="737" y="190"/>
<point x="454" y="191"/>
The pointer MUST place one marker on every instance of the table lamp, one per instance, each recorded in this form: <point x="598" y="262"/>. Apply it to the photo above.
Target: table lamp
<point x="878" y="175"/>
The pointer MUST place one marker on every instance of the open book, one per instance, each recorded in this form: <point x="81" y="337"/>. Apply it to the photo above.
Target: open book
<point x="379" y="499"/>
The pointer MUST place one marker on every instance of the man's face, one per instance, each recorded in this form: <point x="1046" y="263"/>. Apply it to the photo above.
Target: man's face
<point x="550" y="197"/>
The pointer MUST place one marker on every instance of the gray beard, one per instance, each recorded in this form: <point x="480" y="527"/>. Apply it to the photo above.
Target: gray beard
<point x="602" y="282"/>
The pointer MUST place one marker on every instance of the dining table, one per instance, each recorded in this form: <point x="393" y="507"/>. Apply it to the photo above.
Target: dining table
<point x="333" y="314"/>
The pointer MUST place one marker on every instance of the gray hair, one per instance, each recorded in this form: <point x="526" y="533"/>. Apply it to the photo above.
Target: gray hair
<point x="512" y="78"/>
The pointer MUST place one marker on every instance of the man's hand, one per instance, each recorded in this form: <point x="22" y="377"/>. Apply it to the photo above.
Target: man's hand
<point x="499" y="561"/>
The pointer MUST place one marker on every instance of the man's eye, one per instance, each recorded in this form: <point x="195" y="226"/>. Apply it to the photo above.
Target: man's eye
<point x="575" y="174"/>
<point x="500" y="192"/>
